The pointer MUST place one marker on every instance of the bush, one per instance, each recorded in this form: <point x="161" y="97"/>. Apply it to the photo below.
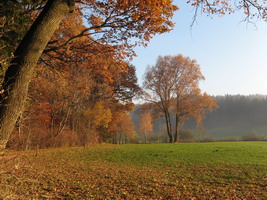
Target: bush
<point x="186" y="135"/>
<point x="252" y="136"/>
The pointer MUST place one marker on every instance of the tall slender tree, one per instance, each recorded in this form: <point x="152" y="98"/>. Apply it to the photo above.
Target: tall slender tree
<point x="146" y="124"/>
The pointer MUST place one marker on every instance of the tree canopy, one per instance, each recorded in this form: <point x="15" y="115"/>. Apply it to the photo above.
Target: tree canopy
<point x="88" y="43"/>
<point x="173" y="86"/>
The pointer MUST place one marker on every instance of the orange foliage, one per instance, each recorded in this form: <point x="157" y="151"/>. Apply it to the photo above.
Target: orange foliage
<point x="122" y="128"/>
<point x="173" y="86"/>
<point x="83" y="85"/>
<point x="146" y="124"/>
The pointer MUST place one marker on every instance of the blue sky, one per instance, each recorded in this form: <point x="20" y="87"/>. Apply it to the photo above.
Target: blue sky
<point x="232" y="54"/>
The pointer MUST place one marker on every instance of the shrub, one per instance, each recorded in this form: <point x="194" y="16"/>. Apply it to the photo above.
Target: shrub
<point x="252" y="136"/>
<point x="186" y="135"/>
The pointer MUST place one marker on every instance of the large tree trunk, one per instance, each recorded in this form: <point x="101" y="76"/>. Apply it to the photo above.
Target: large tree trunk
<point x="15" y="85"/>
<point x="168" y="125"/>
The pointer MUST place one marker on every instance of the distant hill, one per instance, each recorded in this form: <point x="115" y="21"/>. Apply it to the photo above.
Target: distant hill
<point x="236" y="115"/>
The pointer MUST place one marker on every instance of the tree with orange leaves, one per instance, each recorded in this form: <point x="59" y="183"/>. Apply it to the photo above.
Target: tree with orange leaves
<point x="173" y="86"/>
<point x="122" y="127"/>
<point x="146" y="124"/>
<point x="73" y="81"/>
<point x="120" y="23"/>
<point x="109" y="22"/>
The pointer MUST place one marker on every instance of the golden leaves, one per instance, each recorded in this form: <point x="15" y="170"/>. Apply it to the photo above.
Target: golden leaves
<point x="99" y="115"/>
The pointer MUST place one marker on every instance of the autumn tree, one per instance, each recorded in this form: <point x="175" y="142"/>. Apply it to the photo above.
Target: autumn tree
<point x="120" y="23"/>
<point x="173" y="86"/>
<point x="63" y="109"/>
<point x="80" y="99"/>
<point x="14" y="22"/>
<point x="122" y="127"/>
<point x="72" y="82"/>
<point x="146" y="124"/>
<point x="116" y="22"/>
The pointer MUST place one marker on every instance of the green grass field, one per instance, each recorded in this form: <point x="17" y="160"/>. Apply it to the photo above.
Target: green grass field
<point x="227" y="170"/>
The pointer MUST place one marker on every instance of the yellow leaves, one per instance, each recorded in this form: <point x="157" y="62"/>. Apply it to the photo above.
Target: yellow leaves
<point x="99" y="115"/>
<point x="146" y="122"/>
<point x="122" y="124"/>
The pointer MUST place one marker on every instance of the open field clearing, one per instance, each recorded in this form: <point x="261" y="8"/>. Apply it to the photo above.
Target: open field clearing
<point x="236" y="170"/>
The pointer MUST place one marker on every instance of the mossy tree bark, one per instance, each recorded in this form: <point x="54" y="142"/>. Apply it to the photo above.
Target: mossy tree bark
<point x="17" y="78"/>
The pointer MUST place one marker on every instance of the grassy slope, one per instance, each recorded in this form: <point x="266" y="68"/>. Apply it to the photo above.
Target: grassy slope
<point x="162" y="171"/>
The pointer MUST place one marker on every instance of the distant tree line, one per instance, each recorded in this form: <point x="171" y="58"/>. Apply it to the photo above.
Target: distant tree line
<point x="239" y="111"/>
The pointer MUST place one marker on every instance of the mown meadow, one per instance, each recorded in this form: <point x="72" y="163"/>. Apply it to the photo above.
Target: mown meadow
<point x="226" y="170"/>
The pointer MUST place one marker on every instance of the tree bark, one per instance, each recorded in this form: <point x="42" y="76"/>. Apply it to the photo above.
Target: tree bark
<point x="176" y="128"/>
<point x="145" y="136"/>
<point x="14" y="89"/>
<point x="169" y="127"/>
